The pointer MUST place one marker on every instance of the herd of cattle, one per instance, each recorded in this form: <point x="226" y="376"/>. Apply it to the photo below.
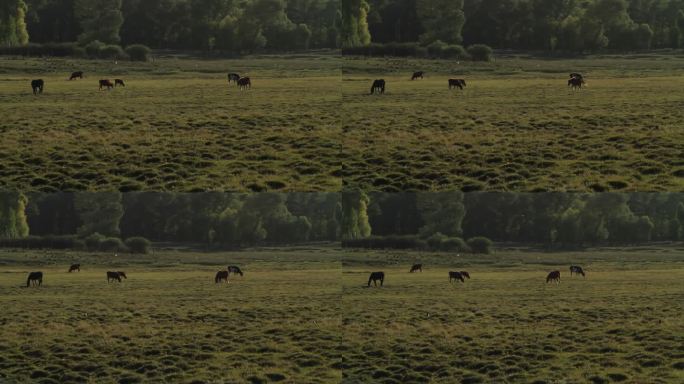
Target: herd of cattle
<point x="36" y="278"/>
<point x="461" y="276"/>
<point x="37" y="85"/>
<point x="576" y="82"/>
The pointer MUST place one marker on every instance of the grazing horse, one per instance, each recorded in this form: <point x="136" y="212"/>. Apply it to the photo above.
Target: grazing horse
<point x="577" y="75"/>
<point x="378" y="86"/>
<point x="106" y="83"/>
<point x="244" y="83"/>
<point x="375" y="276"/>
<point x="553" y="276"/>
<point x="457" y="83"/>
<point x="576" y="83"/>
<point x="75" y="267"/>
<point x="416" y="267"/>
<point x="235" y="269"/>
<point x="221" y="276"/>
<point x="115" y="275"/>
<point x="233" y="77"/>
<point x="34" y="277"/>
<point x="465" y="274"/>
<point x="76" y="75"/>
<point x="417" y="75"/>
<point x="37" y="86"/>
<point x="577" y="269"/>
<point x="119" y="82"/>
<point x="456" y="276"/>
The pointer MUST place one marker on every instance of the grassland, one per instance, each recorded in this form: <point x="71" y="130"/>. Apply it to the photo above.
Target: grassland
<point x="169" y="322"/>
<point x="505" y="325"/>
<point x="516" y="126"/>
<point x="305" y="316"/>
<point x="176" y="126"/>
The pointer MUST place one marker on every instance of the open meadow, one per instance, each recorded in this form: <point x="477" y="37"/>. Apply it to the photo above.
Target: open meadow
<point x="176" y="126"/>
<point x="620" y="324"/>
<point x="169" y="321"/>
<point x="305" y="315"/>
<point x="516" y="126"/>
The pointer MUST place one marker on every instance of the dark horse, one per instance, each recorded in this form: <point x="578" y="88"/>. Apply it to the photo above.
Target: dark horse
<point x="577" y="269"/>
<point x="417" y="75"/>
<point x="37" y="86"/>
<point x="235" y="269"/>
<point x="576" y="83"/>
<point x="465" y="274"/>
<point x="119" y="82"/>
<point x="416" y="267"/>
<point x="457" y="83"/>
<point x="577" y="75"/>
<point x="116" y="275"/>
<point x="456" y="276"/>
<point x="221" y="276"/>
<point x="244" y="83"/>
<point x="34" y="277"/>
<point x="76" y="75"/>
<point x="75" y="267"/>
<point x="378" y="86"/>
<point x="233" y="77"/>
<point x="553" y="276"/>
<point x="375" y="276"/>
<point x="106" y="83"/>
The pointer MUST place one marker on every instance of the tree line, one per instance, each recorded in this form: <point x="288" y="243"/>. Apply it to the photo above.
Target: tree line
<point x="544" y="25"/>
<point x="227" y="25"/>
<point x="235" y="220"/>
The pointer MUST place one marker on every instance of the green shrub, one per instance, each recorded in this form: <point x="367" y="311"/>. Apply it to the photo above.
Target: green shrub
<point x="454" y="52"/>
<point x="138" y="52"/>
<point x="43" y="242"/>
<point x="455" y="244"/>
<point x="480" y="245"/>
<point x="92" y="242"/>
<point x="112" y="52"/>
<point x="387" y="242"/>
<point x="434" y="242"/>
<point x="436" y="48"/>
<point x="480" y="52"/>
<point x="112" y="244"/>
<point x="93" y="48"/>
<point x="138" y="245"/>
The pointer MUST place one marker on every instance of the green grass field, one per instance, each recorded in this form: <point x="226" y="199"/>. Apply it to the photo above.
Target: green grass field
<point x="516" y="126"/>
<point x="305" y="316"/>
<point x="309" y="125"/>
<point x="176" y="126"/>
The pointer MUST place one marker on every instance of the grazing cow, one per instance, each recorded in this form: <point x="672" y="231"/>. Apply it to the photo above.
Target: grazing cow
<point x="235" y="269"/>
<point x="118" y="82"/>
<point x="75" y="267"/>
<point x="37" y="86"/>
<point x="378" y="86"/>
<point x="233" y="77"/>
<point x="577" y="269"/>
<point x="416" y="267"/>
<point x="457" y="83"/>
<point x="35" y="278"/>
<point x="244" y="83"/>
<point x="456" y="276"/>
<point x="417" y="75"/>
<point x="76" y="75"/>
<point x="221" y="276"/>
<point x="465" y="274"/>
<point x="115" y="275"/>
<point x="576" y="83"/>
<point x="106" y="83"/>
<point x="375" y="276"/>
<point x="553" y="276"/>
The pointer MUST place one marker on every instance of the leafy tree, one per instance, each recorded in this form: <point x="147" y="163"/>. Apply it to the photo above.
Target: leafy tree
<point x="442" y="19"/>
<point x="354" y="29"/>
<point x="100" y="20"/>
<point x="13" y="23"/>
<point x="99" y="212"/>
<point x="13" y="224"/>
<point x="355" y="224"/>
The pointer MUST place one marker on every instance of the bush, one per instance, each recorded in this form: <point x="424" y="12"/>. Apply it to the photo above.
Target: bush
<point x="390" y="49"/>
<point x="434" y="242"/>
<point x="480" y="245"/>
<point x="93" y="48"/>
<point x="48" y="49"/>
<point x="92" y="242"/>
<point x="455" y="244"/>
<point x="43" y="242"/>
<point x="112" y="52"/>
<point x="480" y="52"/>
<point x="436" y="48"/>
<point x="112" y="244"/>
<point x="454" y="52"/>
<point x="139" y="52"/>
<point x="138" y="245"/>
<point x="386" y="242"/>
